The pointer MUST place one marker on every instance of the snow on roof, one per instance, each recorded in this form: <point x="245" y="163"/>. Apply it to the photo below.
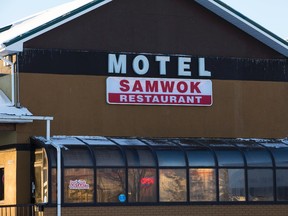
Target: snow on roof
<point x="12" y="37"/>
<point x="7" y="109"/>
<point x="44" y="21"/>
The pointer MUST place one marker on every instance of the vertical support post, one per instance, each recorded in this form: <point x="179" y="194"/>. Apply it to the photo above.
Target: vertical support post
<point x="58" y="181"/>
<point x="12" y="84"/>
<point x="48" y="130"/>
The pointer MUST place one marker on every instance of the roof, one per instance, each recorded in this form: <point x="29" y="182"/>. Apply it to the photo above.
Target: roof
<point x="13" y="36"/>
<point x="157" y="152"/>
<point x="247" y="25"/>
<point x="8" y="111"/>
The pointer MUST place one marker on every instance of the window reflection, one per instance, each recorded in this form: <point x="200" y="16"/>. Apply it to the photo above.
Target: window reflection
<point x="231" y="185"/>
<point x="78" y="185"/>
<point x="172" y="184"/>
<point x="140" y="157"/>
<point x="142" y="185"/>
<point x="110" y="184"/>
<point x="54" y="184"/>
<point x="105" y="155"/>
<point x="41" y="176"/>
<point x="260" y="183"/>
<point x="282" y="184"/>
<point x="203" y="158"/>
<point x="202" y="185"/>
<point x="165" y="158"/>
<point x="229" y="158"/>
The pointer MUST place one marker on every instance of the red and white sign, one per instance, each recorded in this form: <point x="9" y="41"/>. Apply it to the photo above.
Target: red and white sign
<point x="78" y="185"/>
<point x="159" y="91"/>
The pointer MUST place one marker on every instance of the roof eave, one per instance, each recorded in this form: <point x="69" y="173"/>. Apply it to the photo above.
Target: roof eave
<point x="246" y="25"/>
<point x="15" y="44"/>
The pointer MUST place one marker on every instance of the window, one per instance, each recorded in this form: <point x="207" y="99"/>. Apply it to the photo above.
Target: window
<point x="76" y="156"/>
<point x="41" y="176"/>
<point x="142" y="185"/>
<point x="78" y="185"/>
<point x="282" y="184"/>
<point x="202" y="185"/>
<point x="229" y="157"/>
<point x="110" y="184"/>
<point x="140" y="157"/>
<point x="231" y="185"/>
<point x="1" y="183"/>
<point x="257" y="156"/>
<point x="170" y="158"/>
<point x="260" y="185"/>
<point x="103" y="156"/>
<point x="201" y="157"/>
<point x="172" y="185"/>
<point x="134" y="170"/>
<point x="54" y="184"/>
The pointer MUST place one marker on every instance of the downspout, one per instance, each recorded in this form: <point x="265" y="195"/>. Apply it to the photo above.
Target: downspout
<point x="58" y="148"/>
<point x="18" y="105"/>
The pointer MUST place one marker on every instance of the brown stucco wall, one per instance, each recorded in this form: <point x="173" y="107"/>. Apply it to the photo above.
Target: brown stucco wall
<point x="8" y="160"/>
<point x="215" y="210"/>
<point x="78" y="104"/>
<point x="23" y="177"/>
<point x="149" y="26"/>
<point x="8" y="137"/>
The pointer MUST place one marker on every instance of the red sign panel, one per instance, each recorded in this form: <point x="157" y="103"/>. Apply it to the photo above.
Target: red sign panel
<point x="157" y="91"/>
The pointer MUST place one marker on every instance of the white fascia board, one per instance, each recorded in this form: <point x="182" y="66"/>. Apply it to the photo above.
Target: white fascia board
<point x="23" y="119"/>
<point x="18" y="46"/>
<point x="245" y="26"/>
<point x="14" y="121"/>
<point x="13" y="48"/>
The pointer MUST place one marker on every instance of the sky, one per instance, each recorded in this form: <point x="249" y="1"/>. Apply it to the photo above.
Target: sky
<point x="271" y="14"/>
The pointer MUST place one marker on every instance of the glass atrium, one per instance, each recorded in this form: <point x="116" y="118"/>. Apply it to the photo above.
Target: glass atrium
<point x="109" y="170"/>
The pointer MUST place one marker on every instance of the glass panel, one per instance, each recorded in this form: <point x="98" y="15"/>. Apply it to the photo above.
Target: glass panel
<point x="282" y="184"/>
<point x="231" y="185"/>
<point x="104" y="155"/>
<point x="1" y="183"/>
<point x="65" y="140"/>
<point x="159" y="142"/>
<point x="280" y="155"/>
<point x="256" y="155"/>
<point x="38" y="156"/>
<point x="140" y="157"/>
<point x="142" y="185"/>
<point x="200" y="158"/>
<point x="229" y="157"/>
<point x="172" y="184"/>
<point x="110" y="185"/>
<point x="97" y="140"/>
<point x="41" y="176"/>
<point x="170" y="158"/>
<point x="53" y="156"/>
<point x="54" y="184"/>
<point x="77" y="157"/>
<point x="260" y="183"/>
<point x="202" y="185"/>
<point x="38" y="184"/>
<point x="78" y="185"/>
<point x="125" y="142"/>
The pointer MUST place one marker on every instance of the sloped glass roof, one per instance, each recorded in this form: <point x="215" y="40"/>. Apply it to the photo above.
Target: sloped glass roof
<point x="168" y="152"/>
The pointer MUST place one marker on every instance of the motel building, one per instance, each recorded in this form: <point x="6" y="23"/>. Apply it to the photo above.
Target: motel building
<point x="124" y="107"/>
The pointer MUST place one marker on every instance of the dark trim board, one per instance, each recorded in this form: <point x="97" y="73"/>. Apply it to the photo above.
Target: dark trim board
<point x="73" y="62"/>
